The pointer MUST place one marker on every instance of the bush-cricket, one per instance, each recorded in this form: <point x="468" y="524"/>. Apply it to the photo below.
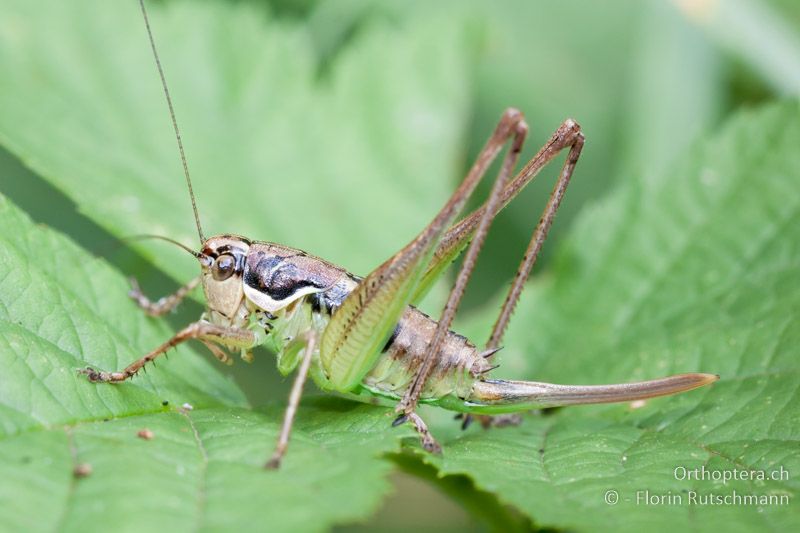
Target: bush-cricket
<point x="362" y="337"/>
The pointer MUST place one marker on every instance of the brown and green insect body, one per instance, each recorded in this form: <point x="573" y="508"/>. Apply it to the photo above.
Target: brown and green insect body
<point x="362" y="337"/>
<point x="282" y="294"/>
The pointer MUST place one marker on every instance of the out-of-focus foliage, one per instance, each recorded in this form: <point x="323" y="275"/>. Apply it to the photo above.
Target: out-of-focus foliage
<point x="340" y="127"/>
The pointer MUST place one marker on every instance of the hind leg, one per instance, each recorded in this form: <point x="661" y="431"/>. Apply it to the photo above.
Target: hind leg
<point x="484" y="217"/>
<point x="493" y="345"/>
<point x="427" y="441"/>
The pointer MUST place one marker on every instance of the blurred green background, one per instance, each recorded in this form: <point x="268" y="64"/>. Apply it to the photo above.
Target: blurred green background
<point x="645" y="79"/>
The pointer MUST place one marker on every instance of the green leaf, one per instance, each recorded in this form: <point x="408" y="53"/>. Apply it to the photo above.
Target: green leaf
<point x="203" y="469"/>
<point x="691" y="269"/>
<point x="696" y="271"/>
<point x="62" y="309"/>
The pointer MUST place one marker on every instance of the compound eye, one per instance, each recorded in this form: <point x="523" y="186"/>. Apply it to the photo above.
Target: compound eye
<point x="224" y="267"/>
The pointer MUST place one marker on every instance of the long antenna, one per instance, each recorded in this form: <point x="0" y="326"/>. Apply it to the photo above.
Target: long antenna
<point x="162" y="238"/>
<point x="174" y="121"/>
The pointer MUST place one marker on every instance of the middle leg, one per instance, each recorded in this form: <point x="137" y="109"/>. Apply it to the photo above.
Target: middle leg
<point x="162" y="305"/>
<point x="294" y="401"/>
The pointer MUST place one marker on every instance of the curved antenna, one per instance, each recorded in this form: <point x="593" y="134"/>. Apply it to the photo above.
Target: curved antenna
<point x="162" y="238"/>
<point x="174" y="120"/>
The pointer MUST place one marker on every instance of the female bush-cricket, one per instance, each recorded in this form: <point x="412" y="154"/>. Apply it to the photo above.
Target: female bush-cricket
<point x="362" y="337"/>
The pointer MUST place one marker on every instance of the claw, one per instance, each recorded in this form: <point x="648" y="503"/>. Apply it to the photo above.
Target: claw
<point x="431" y="446"/>
<point x="98" y="376"/>
<point x="427" y="441"/>
<point x="93" y="375"/>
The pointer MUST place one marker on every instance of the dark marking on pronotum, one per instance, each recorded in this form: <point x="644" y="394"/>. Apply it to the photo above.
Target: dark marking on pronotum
<point x="277" y="278"/>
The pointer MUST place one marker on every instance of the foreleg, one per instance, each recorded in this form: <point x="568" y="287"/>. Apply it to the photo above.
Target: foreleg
<point x="294" y="402"/>
<point x="196" y="330"/>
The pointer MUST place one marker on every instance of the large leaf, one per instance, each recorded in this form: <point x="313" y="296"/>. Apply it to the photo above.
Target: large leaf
<point x="693" y="272"/>
<point x="203" y="469"/>
<point x="689" y="269"/>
